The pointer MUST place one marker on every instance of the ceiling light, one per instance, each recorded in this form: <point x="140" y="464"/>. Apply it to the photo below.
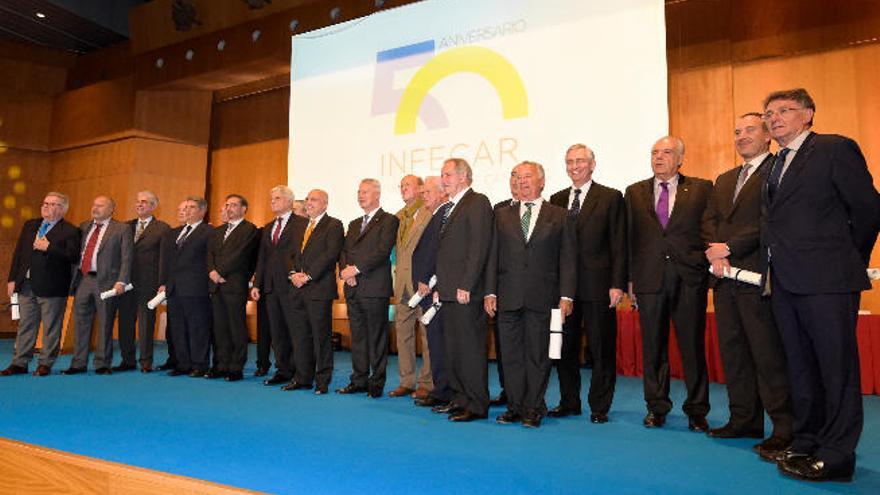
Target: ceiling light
<point x="40" y="15"/>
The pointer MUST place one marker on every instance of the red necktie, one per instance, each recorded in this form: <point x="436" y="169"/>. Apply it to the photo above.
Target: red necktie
<point x="90" y="249"/>
<point x="277" y="233"/>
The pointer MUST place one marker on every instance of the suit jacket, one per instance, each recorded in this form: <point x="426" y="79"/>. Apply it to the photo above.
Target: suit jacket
<point x="233" y="258"/>
<point x="147" y="255"/>
<point x="737" y="223"/>
<point x="600" y="228"/>
<point x="424" y="258"/>
<point x="51" y="271"/>
<point x="536" y="273"/>
<point x="114" y="254"/>
<point x="681" y="242"/>
<point x="273" y="260"/>
<point x="822" y="224"/>
<point x="184" y="271"/>
<point x="403" y="288"/>
<point x="318" y="259"/>
<point x="464" y="247"/>
<point x="370" y="252"/>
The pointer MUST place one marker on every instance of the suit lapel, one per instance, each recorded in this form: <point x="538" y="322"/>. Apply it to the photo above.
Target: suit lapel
<point x="456" y="209"/>
<point x="789" y="181"/>
<point x="755" y="180"/>
<point x="682" y="196"/>
<point x="540" y="224"/>
<point x="317" y="231"/>
<point x="590" y="202"/>
<point x="648" y="199"/>
<point x="373" y="221"/>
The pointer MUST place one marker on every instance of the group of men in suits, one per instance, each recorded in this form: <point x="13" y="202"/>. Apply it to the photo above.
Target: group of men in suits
<point x="806" y="219"/>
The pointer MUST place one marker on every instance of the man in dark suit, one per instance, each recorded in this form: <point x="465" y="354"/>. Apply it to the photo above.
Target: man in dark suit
<point x="598" y="215"/>
<point x="820" y="218"/>
<point x="751" y="351"/>
<point x="230" y="265"/>
<point x="531" y="270"/>
<point x="669" y="276"/>
<point x="184" y="279"/>
<point x="313" y="273"/>
<point x="42" y="264"/>
<point x="461" y="261"/>
<point x="105" y="264"/>
<point x="365" y="268"/>
<point x="168" y="247"/>
<point x="147" y="232"/>
<point x="282" y="238"/>
<point x="424" y="266"/>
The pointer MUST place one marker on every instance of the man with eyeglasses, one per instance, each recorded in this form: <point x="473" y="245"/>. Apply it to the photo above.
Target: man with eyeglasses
<point x="820" y="218"/>
<point x="40" y="274"/>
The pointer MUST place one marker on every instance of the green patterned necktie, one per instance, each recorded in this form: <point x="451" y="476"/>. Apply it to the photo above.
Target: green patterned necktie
<point x="526" y="220"/>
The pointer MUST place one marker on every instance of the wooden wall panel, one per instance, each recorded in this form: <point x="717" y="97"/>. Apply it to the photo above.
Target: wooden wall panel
<point x="177" y="115"/>
<point x="96" y="113"/>
<point x="25" y="119"/>
<point x="252" y="119"/>
<point x="250" y="170"/>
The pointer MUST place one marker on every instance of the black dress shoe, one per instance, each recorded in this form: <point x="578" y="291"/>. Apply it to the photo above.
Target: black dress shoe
<point x="500" y="400"/>
<point x="654" y="420"/>
<point x="728" y="431"/>
<point x="261" y="371"/>
<point x="777" y="456"/>
<point x="146" y="368"/>
<point x="296" y="386"/>
<point x="320" y="389"/>
<point x="124" y="367"/>
<point x="73" y="371"/>
<point x="599" y="418"/>
<point x="375" y="393"/>
<point x="103" y="371"/>
<point x="197" y="374"/>
<point x="561" y="412"/>
<point x="532" y="421"/>
<point x="508" y="417"/>
<point x="773" y="446"/>
<point x="447" y="408"/>
<point x="14" y="370"/>
<point x="351" y="388"/>
<point x="276" y="380"/>
<point x="810" y="468"/>
<point x="212" y="374"/>
<point x="234" y="376"/>
<point x="42" y="370"/>
<point x="177" y="372"/>
<point x="698" y="424"/>
<point x="168" y="366"/>
<point x="429" y="401"/>
<point x="465" y="417"/>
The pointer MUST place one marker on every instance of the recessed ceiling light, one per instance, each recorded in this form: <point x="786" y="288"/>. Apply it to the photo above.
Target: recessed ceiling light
<point x="40" y="15"/>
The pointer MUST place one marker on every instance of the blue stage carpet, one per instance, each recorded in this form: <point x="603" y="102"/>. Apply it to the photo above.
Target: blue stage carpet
<point x="248" y="435"/>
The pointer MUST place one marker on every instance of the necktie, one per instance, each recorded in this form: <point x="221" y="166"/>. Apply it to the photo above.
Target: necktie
<point x="183" y="236"/>
<point x="229" y="229"/>
<point x="776" y="173"/>
<point x="91" y="244"/>
<point x="445" y="210"/>
<point x="142" y="225"/>
<point x="741" y="181"/>
<point x="277" y="232"/>
<point x="575" y="204"/>
<point x="307" y="235"/>
<point x="663" y="204"/>
<point x="44" y="227"/>
<point x="364" y="223"/>
<point x="526" y="220"/>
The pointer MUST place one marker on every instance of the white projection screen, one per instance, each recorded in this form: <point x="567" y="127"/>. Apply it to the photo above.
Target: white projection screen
<point x="494" y="82"/>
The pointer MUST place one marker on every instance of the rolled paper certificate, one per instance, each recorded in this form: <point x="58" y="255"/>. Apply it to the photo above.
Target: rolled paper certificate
<point x="555" y="334"/>
<point x="13" y="306"/>
<point x="430" y="313"/>
<point x="107" y="294"/>
<point x="152" y="303"/>
<point x="874" y="273"/>
<point x="745" y="276"/>
<point x="417" y="298"/>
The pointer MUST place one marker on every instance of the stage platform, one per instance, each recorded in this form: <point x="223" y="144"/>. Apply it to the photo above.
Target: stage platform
<point x="258" y="438"/>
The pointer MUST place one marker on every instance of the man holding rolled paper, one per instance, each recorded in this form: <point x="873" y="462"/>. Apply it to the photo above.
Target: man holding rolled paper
<point x="105" y="264"/>
<point x="40" y="275"/>
<point x="669" y="277"/>
<point x="751" y="350"/>
<point x="820" y="217"/>
<point x="531" y="270"/>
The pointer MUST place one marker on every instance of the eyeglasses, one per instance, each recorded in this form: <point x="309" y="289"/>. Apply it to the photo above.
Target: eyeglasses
<point x="769" y="114"/>
<point x="47" y="203"/>
<point x="579" y="161"/>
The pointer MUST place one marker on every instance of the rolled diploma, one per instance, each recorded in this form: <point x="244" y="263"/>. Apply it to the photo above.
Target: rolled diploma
<point x="555" y="334"/>
<point x="429" y="315"/>
<point x="745" y="276"/>
<point x="417" y="298"/>
<point x="13" y="306"/>
<point x="152" y="303"/>
<point x="107" y="294"/>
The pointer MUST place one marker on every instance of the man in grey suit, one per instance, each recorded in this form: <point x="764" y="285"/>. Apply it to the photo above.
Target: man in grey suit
<point x="105" y="264"/>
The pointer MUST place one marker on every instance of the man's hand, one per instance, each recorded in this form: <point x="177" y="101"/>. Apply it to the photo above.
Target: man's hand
<point x="424" y="290"/>
<point x="160" y="289"/>
<point x="463" y="296"/>
<point x="299" y="279"/>
<point x="566" y="306"/>
<point x="216" y="277"/>
<point x="255" y="294"/>
<point x="490" y="304"/>
<point x="717" y="250"/>
<point x="351" y="282"/>
<point x="720" y="266"/>
<point x="10" y="289"/>
<point x="349" y="271"/>
<point x="614" y="297"/>
<point x="119" y="287"/>
<point x="41" y="244"/>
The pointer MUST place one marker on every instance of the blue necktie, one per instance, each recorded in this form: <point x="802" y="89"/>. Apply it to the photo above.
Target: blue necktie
<point x="44" y="227"/>
<point x="776" y="173"/>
